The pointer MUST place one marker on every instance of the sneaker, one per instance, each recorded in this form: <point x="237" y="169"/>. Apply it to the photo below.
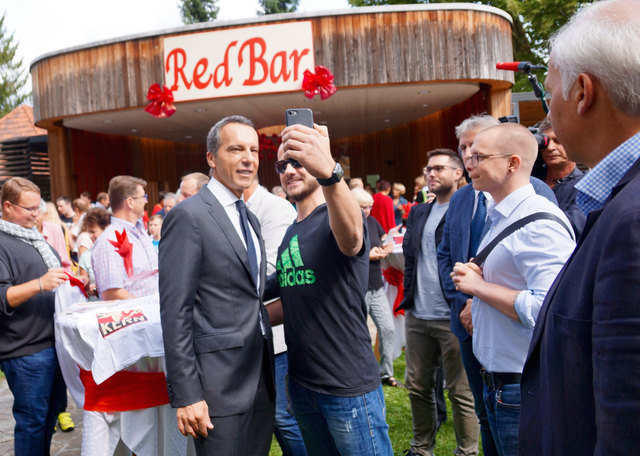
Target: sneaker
<point x="65" y="422"/>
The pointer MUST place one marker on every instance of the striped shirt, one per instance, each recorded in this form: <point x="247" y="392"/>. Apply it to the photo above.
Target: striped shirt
<point x="108" y="265"/>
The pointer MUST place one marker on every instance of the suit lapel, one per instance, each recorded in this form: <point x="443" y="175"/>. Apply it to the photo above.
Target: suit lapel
<point x="219" y="215"/>
<point x="466" y="208"/>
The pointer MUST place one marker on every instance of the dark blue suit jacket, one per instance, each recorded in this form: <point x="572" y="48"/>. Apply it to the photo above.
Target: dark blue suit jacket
<point x="454" y="247"/>
<point x="565" y="192"/>
<point x="411" y="248"/>
<point x="581" y="380"/>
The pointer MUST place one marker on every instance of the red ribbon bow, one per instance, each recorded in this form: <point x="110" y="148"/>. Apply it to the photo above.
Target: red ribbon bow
<point x="406" y="208"/>
<point x="320" y="82"/>
<point x="125" y="250"/>
<point x="75" y="282"/>
<point x="395" y="277"/>
<point x="161" y="101"/>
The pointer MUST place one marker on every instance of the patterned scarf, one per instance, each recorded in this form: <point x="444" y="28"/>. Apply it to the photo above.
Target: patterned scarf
<point x="34" y="238"/>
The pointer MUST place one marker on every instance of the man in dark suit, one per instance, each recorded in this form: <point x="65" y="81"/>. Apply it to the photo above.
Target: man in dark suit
<point x="580" y="385"/>
<point x="217" y="335"/>
<point x="430" y="340"/>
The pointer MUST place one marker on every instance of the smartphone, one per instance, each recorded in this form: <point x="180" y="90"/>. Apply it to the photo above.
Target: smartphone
<point x="302" y="116"/>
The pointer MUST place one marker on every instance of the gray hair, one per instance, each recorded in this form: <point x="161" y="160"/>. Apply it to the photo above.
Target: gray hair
<point x="362" y="196"/>
<point x="602" y="40"/>
<point x="213" y="138"/>
<point x="476" y="122"/>
<point x="170" y="196"/>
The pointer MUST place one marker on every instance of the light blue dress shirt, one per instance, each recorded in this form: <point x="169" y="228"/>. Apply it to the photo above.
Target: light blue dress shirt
<point x="527" y="260"/>
<point x="596" y="186"/>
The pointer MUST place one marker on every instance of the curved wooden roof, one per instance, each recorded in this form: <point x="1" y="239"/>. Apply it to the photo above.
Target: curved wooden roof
<point x="383" y="59"/>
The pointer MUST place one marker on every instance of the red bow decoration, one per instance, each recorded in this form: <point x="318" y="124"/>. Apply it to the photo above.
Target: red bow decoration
<point x="161" y="101"/>
<point x="320" y="82"/>
<point x="125" y="250"/>
<point x="395" y="277"/>
<point x="75" y="282"/>
<point x="406" y="208"/>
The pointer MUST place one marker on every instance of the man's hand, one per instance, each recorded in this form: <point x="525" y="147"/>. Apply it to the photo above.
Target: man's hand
<point x="467" y="277"/>
<point x="377" y="253"/>
<point x="194" y="420"/>
<point x="311" y="147"/>
<point x="465" y="317"/>
<point x="53" y="279"/>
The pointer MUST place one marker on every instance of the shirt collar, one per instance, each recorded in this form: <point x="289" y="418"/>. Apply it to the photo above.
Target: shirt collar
<point x="487" y="196"/>
<point x="222" y="193"/>
<point x="139" y="225"/>
<point x="595" y="187"/>
<point x="510" y="203"/>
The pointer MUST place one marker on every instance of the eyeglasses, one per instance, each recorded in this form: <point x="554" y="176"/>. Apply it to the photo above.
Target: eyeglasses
<point x="366" y="208"/>
<point x="438" y="169"/>
<point x="30" y="210"/>
<point x="476" y="158"/>
<point x="281" y="165"/>
<point x="145" y="196"/>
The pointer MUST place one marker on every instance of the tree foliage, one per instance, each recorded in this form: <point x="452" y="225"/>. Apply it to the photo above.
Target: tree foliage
<point x="278" y="6"/>
<point x="194" y="11"/>
<point x="12" y="76"/>
<point x="534" y="21"/>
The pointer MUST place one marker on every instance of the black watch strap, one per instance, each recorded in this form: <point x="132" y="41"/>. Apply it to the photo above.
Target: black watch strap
<point x="334" y="178"/>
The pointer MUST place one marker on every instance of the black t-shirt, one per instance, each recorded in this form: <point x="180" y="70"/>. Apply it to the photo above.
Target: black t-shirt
<point x="375" y="272"/>
<point x="325" y="315"/>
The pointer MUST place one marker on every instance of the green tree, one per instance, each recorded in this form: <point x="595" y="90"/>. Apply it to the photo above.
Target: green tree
<point x="12" y="76"/>
<point x="194" y="11"/>
<point x="278" y="6"/>
<point x="534" y="21"/>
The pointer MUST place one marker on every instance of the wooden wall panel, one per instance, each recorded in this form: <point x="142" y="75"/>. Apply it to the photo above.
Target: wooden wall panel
<point x="362" y="49"/>
<point x="399" y="154"/>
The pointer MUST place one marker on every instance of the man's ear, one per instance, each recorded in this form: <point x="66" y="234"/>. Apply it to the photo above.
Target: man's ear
<point x="514" y="163"/>
<point x="211" y="160"/>
<point x="583" y="92"/>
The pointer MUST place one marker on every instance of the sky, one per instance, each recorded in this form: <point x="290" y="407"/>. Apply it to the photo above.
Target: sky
<point x="43" y="26"/>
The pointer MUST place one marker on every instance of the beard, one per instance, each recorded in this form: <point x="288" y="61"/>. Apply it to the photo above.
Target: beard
<point x="302" y="194"/>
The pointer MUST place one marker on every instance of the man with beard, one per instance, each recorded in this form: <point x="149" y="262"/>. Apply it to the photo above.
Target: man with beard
<point x="430" y="340"/>
<point x="322" y="272"/>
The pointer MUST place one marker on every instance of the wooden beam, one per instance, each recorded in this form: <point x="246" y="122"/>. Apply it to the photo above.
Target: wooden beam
<point x="60" y="163"/>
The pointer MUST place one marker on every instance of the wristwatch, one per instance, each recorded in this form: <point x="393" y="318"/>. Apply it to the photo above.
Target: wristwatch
<point x="338" y="172"/>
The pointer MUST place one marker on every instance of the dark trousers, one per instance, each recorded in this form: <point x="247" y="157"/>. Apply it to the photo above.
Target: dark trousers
<point x="472" y="367"/>
<point x="247" y="434"/>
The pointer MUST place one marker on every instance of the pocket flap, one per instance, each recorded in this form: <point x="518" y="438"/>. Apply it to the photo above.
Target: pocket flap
<point x="217" y="342"/>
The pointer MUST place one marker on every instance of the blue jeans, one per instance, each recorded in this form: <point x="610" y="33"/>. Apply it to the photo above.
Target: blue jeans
<point x="472" y="367"/>
<point x="335" y="425"/>
<point x="503" y="412"/>
<point x="286" y="428"/>
<point x="39" y="394"/>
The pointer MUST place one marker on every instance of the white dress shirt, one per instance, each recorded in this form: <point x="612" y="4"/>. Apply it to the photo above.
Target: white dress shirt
<point x="275" y="215"/>
<point x="527" y="260"/>
<point x="228" y="201"/>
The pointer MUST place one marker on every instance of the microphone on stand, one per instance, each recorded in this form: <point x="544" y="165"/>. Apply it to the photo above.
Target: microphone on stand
<point x="520" y="67"/>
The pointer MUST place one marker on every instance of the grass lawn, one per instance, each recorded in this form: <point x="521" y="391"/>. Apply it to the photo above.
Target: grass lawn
<point x="399" y="420"/>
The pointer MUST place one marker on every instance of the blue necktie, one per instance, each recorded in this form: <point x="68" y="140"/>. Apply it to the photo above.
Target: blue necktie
<point x="477" y="225"/>
<point x="248" y="239"/>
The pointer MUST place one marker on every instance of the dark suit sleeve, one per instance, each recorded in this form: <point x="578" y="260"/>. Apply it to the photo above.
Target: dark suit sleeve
<point x="455" y="299"/>
<point x="616" y="335"/>
<point x="409" y="253"/>
<point x="180" y="262"/>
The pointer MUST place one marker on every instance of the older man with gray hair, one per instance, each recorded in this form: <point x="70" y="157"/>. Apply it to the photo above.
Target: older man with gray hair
<point x="580" y="385"/>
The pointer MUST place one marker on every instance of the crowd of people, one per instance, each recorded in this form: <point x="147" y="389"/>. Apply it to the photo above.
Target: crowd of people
<point x="519" y="294"/>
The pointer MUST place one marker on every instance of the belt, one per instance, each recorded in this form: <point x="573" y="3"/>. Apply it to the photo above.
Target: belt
<point x="496" y="380"/>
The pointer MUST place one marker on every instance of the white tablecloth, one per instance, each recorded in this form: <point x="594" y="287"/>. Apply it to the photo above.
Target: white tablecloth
<point x="396" y="260"/>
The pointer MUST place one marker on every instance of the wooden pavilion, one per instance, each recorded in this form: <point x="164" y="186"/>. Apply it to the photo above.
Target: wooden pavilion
<point x="406" y="75"/>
